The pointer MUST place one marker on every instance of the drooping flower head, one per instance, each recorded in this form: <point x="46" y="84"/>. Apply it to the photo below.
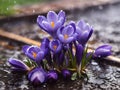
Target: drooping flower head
<point x="52" y="23"/>
<point x="52" y="76"/>
<point x="37" y="76"/>
<point x="34" y="53"/>
<point x="18" y="65"/>
<point x="103" y="51"/>
<point x="67" y="34"/>
<point x="84" y="31"/>
<point x="55" y="46"/>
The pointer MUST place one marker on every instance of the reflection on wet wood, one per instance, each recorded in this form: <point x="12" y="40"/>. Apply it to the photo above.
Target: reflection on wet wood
<point x="33" y="42"/>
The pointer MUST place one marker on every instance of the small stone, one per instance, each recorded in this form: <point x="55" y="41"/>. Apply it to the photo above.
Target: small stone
<point x="102" y="76"/>
<point x="99" y="81"/>
<point x="94" y="63"/>
<point x="103" y="86"/>
<point x="23" y="87"/>
<point x="2" y="85"/>
<point x="118" y="70"/>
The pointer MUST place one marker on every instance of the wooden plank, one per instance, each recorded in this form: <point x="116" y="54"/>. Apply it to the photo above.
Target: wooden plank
<point x="19" y="38"/>
<point x="61" y="5"/>
<point x="68" y="5"/>
<point x="22" y="39"/>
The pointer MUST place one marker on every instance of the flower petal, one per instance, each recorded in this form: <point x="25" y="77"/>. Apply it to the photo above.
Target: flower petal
<point x="37" y="76"/>
<point x="52" y="17"/>
<point x="40" y="19"/>
<point x="52" y="76"/>
<point x="18" y="64"/>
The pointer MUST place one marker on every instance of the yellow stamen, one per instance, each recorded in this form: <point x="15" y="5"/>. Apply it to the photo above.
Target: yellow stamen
<point x="65" y="36"/>
<point x="55" y="47"/>
<point x="52" y="24"/>
<point x="34" y="54"/>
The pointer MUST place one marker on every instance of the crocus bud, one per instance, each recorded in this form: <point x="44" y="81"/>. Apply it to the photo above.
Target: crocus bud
<point x="18" y="65"/>
<point x="79" y="53"/>
<point x="52" y="76"/>
<point x="84" y="32"/>
<point x="103" y="51"/>
<point x="66" y="74"/>
<point x="44" y="43"/>
<point x="37" y="76"/>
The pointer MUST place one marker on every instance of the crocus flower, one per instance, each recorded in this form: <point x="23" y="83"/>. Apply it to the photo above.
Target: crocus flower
<point x="79" y="53"/>
<point x="52" y="22"/>
<point x="37" y="76"/>
<point x="103" y="51"/>
<point x="67" y="34"/>
<point x="52" y="76"/>
<point x="55" y="46"/>
<point x="66" y="74"/>
<point x="84" y="32"/>
<point x="18" y="65"/>
<point x="34" y="53"/>
<point x="24" y="48"/>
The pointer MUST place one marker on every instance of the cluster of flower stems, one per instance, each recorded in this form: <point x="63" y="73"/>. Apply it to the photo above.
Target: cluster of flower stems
<point x="65" y="55"/>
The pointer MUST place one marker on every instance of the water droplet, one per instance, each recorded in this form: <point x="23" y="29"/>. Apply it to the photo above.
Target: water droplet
<point x="33" y="11"/>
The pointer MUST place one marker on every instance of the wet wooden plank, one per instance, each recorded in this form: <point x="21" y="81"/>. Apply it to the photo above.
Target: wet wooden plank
<point x="62" y="4"/>
<point x="18" y="38"/>
<point x="41" y="8"/>
<point x="25" y="40"/>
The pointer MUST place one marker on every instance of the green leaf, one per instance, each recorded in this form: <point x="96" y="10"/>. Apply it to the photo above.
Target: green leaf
<point x="74" y="76"/>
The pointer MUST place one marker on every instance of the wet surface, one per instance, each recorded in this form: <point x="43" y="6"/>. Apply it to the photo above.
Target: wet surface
<point x="102" y="75"/>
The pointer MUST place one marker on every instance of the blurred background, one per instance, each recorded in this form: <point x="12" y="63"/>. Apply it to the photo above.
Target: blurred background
<point x="18" y="22"/>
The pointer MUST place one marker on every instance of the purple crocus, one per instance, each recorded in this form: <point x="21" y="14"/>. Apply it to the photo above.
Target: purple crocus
<point x="33" y="52"/>
<point x="84" y="32"/>
<point x="37" y="76"/>
<point x="103" y="51"/>
<point x="55" y="46"/>
<point x="52" y="23"/>
<point x="18" y="65"/>
<point x="52" y="76"/>
<point x="66" y="74"/>
<point x="67" y="34"/>
<point x="79" y="53"/>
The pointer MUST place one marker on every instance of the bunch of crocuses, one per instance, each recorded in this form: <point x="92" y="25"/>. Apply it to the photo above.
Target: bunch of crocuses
<point x="65" y="55"/>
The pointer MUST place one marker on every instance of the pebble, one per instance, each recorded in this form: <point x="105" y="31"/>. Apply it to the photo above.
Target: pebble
<point x="118" y="70"/>
<point x="102" y="76"/>
<point x="2" y="85"/>
<point x="94" y="63"/>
